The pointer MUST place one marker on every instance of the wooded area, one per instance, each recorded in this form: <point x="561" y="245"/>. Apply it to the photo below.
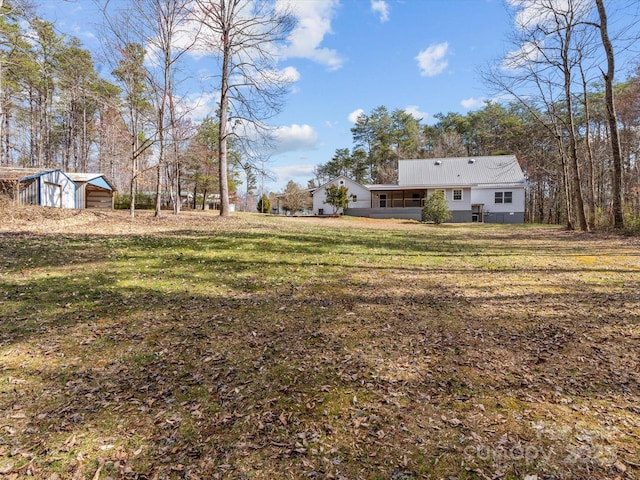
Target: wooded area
<point x="57" y="110"/>
<point x="571" y="123"/>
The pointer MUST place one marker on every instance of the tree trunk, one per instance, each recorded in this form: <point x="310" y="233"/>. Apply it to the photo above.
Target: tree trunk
<point x="222" y="125"/>
<point x="587" y="146"/>
<point x="158" y="190"/>
<point x="618" y="215"/>
<point x="574" y="170"/>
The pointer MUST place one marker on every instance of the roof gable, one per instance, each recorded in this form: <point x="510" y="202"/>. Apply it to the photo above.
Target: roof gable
<point x="460" y="171"/>
<point x="336" y="181"/>
<point x="97" y="179"/>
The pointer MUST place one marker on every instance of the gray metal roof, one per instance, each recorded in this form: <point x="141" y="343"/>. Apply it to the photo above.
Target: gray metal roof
<point x="460" y="171"/>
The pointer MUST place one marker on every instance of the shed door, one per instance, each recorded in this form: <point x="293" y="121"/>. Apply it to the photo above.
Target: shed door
<point x="52" y="195"/>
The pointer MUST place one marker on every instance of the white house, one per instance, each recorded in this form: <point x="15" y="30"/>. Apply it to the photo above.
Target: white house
<point x="359" y="196"/>
<point x="477" y="189"/>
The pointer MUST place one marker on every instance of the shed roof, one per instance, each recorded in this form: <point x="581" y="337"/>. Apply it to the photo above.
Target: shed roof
<point x="16" y="174"/>
<point x="97" y="179"/>
<point x="460" y="171"/>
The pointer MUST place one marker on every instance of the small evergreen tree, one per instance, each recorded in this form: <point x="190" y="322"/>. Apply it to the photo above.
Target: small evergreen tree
<point x="435" y="208"/>
<point x="264" y="204"/>
<point x="337" y="197"/>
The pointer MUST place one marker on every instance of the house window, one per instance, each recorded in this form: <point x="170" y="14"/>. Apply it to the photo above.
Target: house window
<point x="504" y="197"/>
<point x="354" y="198"/>
<point x="457" y="195"/>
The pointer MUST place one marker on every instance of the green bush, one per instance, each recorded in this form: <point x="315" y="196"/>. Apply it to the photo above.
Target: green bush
<point x="264" y="204"/>
<point x="435" y="208"/>
<point x="631" y="223"/>
<point x="144" y="201"/>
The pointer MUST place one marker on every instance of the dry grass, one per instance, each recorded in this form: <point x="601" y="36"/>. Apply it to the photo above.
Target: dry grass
<point x="258" y="347"/>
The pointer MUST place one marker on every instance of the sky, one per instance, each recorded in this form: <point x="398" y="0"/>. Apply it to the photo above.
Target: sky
<point x="350" y="56"/>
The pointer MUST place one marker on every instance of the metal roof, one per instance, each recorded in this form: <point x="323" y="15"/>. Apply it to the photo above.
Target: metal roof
<point x="97" y="179"/>
<point x="312" y="190"/>
<point x="460" y="171"/>
<point x="16" y="174"/>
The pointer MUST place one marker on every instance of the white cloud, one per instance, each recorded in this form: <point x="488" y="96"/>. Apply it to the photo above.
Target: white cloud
<point x="471" y="103"/>
<point x="381" y="7"/>
<point x="290" y="74"/>
<point x="415" y="112"/>
<point x="286" y="75"/>
<point x="528" y="53"/>
<point x="294" y="137"/>
<point x="314" y="22"/>
<point x="432" y="60"/>
<point x="198" y="107"/>
<point x="353" y="116"/>
<point x="533" y="13"/>
<point x="285" y="173"/>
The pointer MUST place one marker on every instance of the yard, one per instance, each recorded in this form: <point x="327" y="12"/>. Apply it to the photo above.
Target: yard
<point x="191" y="347"/>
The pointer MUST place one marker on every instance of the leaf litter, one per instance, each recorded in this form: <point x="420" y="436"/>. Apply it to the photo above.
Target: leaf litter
<point x="195" y="347"/>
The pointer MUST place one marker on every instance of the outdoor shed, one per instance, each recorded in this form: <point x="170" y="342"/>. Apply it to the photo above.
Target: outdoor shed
<point x="93" y="190"/>
<point x="44" y="187"/>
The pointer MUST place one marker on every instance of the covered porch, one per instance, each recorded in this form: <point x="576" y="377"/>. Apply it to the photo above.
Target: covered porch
<point x="398" y="198"/>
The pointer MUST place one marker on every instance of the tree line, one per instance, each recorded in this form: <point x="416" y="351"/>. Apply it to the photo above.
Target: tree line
<point x="571" y="122"/>
<point x="572" y="126"/>
<point x="133" y="124"/>
<point x="500" y="129"/>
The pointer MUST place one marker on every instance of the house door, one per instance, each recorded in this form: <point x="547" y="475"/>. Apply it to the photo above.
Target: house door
<point x="383" y="200"/>
<point x="477" y="213"/>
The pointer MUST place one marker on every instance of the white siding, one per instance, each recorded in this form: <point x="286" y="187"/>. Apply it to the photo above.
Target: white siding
<point x="57" y="190"/>
<point x="486" y="197"/>
<point x="455" y="205"/>
<point x="363" y="196"/>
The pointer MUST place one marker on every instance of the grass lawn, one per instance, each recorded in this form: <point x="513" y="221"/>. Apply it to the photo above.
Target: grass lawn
<point x="191" y="347"/>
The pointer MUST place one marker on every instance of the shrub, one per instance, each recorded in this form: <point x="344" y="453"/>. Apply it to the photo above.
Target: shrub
<point x="144" y="201"/>
<point x="264" y="204"/>
<point x="337" y="197"/>
<point x="436" y="209"/>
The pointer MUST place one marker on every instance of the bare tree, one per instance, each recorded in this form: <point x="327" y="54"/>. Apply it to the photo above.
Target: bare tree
<point x="557" y="57"/>
<point x="243" y="35"/>
<point x="294" y="198"/>
<point x="549" y="41"/>
<point x="618" y="217"/>
<point x="132" y="76"/>
<point x="166" y="26"/>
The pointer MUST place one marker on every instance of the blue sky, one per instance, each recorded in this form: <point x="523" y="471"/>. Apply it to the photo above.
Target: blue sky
<point x="350" y="56"/>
